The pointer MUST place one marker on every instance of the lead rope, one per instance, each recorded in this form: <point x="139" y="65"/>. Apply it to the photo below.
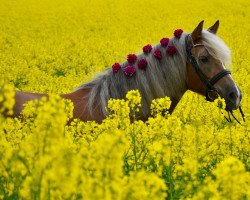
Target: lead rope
<point x="231" y="112"/>
<point x="242" y="114"/>
<point x="234" y="117"/>
<point x="229" y="118"/>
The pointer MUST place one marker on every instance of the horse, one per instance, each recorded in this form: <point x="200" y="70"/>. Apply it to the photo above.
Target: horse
<point x="187" y="61"/>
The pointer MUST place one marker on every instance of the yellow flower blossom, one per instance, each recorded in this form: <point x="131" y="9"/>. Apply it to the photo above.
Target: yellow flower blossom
<point x="53" y="46"/>
<point x="220" y="103"/>
<point x="160" y="106"/>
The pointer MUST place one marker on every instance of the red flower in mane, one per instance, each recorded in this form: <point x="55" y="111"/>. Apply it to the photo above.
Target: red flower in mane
<point x="171" y="50"/>
<point x="116" y="67"/>
<point x="142" y="64"/>
<point x="147" y="48"/>
<point x="164" y="42"/>
<point x="177" y="33"/>
<point x="157" y="54"/>
<point x="129" y="70"/>
<point x="131" y="58"/>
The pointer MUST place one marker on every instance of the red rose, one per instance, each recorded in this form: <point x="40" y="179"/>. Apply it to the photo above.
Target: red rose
<point x="164" y="42"/>
<point x="171" y="50"/>
<point x="177" y="33"/>
<point x="147" y="48"/>
<point x="129" y="70"/>
<point x="116" y="67"/>
<point x="131" y="58"/>
<point x="157" y="54"/>
<point x="142" y="64"/>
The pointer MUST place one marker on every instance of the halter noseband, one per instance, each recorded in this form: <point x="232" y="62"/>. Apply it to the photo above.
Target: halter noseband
<point x="211" y="92"/>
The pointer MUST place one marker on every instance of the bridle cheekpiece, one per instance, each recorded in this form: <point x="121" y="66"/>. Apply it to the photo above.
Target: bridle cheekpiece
<point x="211" y="92"/>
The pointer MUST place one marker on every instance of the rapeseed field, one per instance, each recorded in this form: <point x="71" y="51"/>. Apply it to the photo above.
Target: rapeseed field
<point x="52" y="46"/>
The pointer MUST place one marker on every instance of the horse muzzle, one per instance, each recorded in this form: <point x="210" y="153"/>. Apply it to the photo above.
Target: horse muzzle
<point x="233" y="98"/>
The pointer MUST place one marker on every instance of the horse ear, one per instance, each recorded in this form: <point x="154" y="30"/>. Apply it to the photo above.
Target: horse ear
<point x="196" y="34"/>
<point x="213" y="29"/>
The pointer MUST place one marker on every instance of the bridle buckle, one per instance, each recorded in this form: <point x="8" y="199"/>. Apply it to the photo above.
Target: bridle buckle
<point x="211" y="95"/>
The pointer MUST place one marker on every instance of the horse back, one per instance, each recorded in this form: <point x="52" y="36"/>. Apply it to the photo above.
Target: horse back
<point x="23" y="97"/>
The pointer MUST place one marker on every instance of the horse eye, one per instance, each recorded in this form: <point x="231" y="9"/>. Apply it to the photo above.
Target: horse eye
<point x="204" y="59"/>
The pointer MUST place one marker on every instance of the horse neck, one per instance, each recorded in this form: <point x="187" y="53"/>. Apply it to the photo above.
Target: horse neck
<point x="166" y="77"/>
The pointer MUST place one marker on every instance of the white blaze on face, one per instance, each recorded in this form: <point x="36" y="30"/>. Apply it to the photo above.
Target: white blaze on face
<point x="228" y="82"/>
<point x="238" y="100"/>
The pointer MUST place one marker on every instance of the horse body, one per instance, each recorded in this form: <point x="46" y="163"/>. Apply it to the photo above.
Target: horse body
<point x="21" y="98"/>
<point x="78" y="98"/>
<point x="167" y="74"/>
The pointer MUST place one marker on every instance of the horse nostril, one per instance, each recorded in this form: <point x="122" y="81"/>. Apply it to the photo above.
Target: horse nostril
<point x="233" y="96"/>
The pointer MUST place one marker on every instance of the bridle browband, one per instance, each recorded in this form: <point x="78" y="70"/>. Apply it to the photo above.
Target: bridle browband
<point x="211" y="92"/>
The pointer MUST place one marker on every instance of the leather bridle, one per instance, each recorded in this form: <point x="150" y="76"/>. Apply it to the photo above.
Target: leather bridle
<point x="211" y="92"/>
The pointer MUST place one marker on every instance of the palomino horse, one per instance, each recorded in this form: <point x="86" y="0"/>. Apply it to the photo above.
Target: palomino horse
<point x="184" y="62"/>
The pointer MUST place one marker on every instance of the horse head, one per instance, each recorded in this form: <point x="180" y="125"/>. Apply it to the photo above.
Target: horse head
<point x="206" y="72"/>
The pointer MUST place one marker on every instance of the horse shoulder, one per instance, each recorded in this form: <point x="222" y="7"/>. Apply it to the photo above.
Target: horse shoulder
<point x="79" y="99"/>
<point x="81" y="110"/>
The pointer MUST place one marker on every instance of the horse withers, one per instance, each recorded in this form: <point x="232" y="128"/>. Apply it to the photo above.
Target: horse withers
<point x="184" y="62"/>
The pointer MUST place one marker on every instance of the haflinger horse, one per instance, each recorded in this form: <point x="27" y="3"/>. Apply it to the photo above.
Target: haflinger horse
<point x="184" y="62"/>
